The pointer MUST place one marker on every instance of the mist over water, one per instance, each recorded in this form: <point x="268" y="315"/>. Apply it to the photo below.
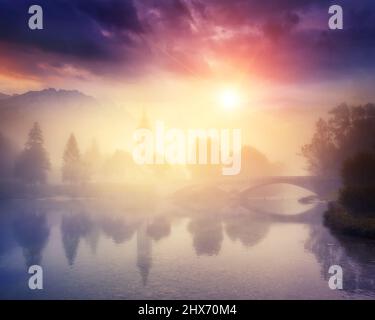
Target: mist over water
<point x="118" y="177"/>
<point x="270" y="245"/>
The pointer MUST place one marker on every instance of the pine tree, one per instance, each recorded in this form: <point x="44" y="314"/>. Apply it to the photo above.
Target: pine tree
<point x="33" y="163"/>
<point x="73" y="169"/>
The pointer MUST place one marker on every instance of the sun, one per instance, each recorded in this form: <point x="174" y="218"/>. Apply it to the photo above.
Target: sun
<point x="229" y="98"/>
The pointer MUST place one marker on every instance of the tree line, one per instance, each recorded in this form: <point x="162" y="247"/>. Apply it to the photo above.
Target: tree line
<point x="347" y="132"/>
<point x="344" y="145"/>
<point x="32" y="164"/>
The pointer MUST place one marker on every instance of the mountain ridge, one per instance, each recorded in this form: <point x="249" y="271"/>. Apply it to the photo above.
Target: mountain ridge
<point x="4" y="96"/>
<point x="50" y="96"/>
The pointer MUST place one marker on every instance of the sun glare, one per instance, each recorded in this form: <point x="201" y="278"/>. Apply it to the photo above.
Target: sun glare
<point x="229" y="99"/>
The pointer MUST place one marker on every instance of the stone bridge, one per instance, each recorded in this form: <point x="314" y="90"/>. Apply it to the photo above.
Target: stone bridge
<point x="321" y="186"/>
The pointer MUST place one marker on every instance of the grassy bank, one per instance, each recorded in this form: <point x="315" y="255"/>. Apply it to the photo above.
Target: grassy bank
<point x="341" y="221"/>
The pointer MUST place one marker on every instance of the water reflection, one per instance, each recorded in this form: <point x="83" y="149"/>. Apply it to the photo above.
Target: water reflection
<point x="74" y="226"/>
<point x="207" y="234"/>
<point x="92" y="238"/>
<point x="208" y="223"/>
<point x="355" y="256"/>
<point x="117" y="228"/>
<point x="159" y="228"/>
<point x="144" y="252"/>
<point x="207" y="229"/>
<point x="247" y="229"/>
<point x="31" y="232"/>
<point x="7" y="242"/>
<point x="79" y="221"/>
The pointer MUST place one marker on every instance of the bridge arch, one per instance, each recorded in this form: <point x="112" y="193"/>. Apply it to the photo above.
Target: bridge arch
<point x="249" y="190"/>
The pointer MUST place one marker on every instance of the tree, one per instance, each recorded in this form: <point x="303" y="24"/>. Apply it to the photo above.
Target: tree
<point x="33" y="163"/>
<point x="348" y="131"/>
<point x="73" y="169"/>
<point x="358" y="192"/>
<point x="321" y="152"/>
<point x="359" y="170"/>
<point x="255" y="163"/>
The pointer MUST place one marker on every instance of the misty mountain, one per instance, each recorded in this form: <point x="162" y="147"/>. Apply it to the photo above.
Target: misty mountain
<point x="60" y="113"/>
<point x="4" y="96"/>
<point x="34" y="106"/>
<point x="44" y="99"/>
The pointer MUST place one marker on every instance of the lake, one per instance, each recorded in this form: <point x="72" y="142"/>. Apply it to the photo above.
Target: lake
<point x="203" y="245"/>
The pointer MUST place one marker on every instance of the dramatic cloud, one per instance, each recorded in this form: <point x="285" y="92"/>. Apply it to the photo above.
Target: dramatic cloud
<point x="269" y="38"/>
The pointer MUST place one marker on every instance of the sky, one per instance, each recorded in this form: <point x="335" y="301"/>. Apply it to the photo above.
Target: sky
<point x="181" y="54"/>
<point x="128" y="39"/>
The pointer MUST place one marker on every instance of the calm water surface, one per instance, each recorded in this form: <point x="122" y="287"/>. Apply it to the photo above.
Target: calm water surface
<point x="199" y="246"/>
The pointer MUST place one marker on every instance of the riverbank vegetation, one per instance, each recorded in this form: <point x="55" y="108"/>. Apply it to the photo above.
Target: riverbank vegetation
<point x="348" y="131"/>
<point x="354" y="212"/>
<point x="344" y="145"/>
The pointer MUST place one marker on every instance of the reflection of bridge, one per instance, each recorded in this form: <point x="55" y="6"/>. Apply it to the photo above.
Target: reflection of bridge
<point x="311" y="215"/>
<point x="321" y="186"/>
